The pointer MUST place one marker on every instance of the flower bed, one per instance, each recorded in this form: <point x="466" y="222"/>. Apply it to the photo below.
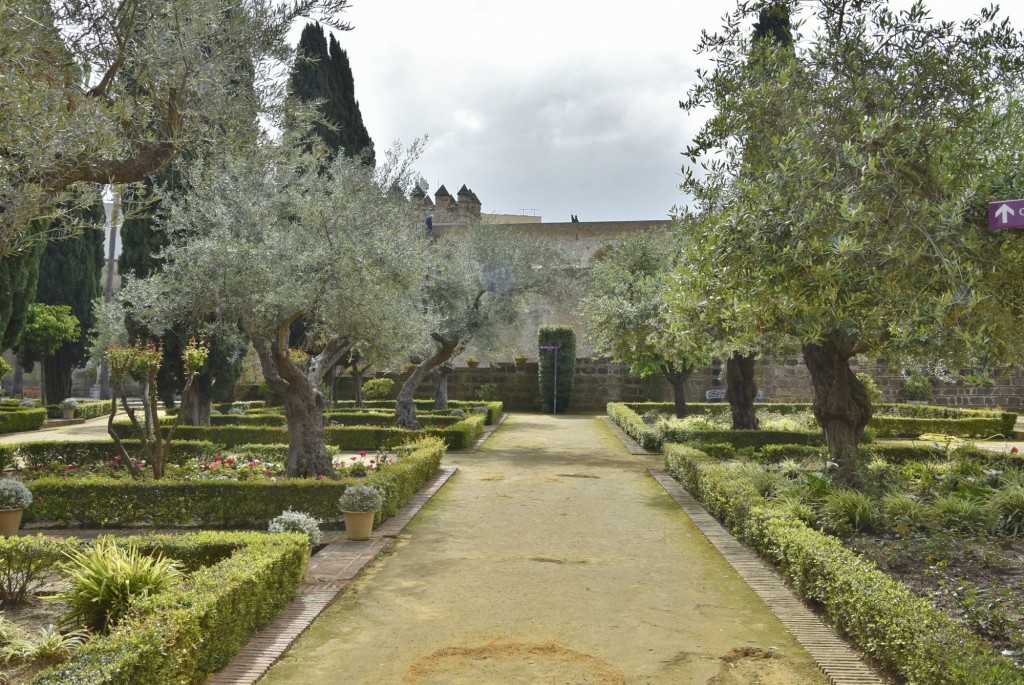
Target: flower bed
<point x="185" y="635"/>
<point x="110" y="502"/>
<point x="879" y="614"/>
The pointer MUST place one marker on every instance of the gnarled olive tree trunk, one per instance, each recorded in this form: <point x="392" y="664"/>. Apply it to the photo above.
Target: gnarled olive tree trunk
<point x="304" y="404"/>
<point x="196" y="404"/>
<point x="677" y="375"/>
<point x="741" y="391"/>
<point x="405" y="406"/>
<point x="441" y="391"/>
<point x="841" y="404"/>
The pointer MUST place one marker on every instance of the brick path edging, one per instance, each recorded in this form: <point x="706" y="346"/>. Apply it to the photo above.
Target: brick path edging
<point x="836" y="659"/>
<point x="330" y="571"/>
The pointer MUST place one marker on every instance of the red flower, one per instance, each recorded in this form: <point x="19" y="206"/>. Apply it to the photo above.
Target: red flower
<point x="441" y="426"/>
<point x="362" y="453"/>
<point x="1014" y="450"/>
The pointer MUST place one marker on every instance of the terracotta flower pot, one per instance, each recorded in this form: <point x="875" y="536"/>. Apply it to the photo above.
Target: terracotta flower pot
<point x="472" y="364"/>
<point x="10" y="521"/>
<point x="359" y="524"/>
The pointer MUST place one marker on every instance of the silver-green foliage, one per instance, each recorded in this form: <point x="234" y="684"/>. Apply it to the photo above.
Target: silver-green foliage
<point x="290" y="521"/>
<point x="361" y="498"/>
<point x="14" y="494"/>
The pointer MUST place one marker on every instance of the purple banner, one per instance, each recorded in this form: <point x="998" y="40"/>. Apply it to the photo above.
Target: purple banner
<point x="1006" y="214"/>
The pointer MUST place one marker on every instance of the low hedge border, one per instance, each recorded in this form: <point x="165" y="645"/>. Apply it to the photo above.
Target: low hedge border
<point x="185" y="635"/>
<point x="20" y="419"/>
<point x="974" y="427"/>
<point x="459" y="434"/>
<point x="757" y="439"/>
<point x="84" y="410"/>
<point x="28" y="454"/>
<point x="626" y="418"/>
<point x="95" y="501"/>
<point x="901" y="631"/>
<point x="494" y="409"/>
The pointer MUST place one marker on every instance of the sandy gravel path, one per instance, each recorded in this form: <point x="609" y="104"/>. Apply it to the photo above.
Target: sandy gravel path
<point x="551" y="557"/>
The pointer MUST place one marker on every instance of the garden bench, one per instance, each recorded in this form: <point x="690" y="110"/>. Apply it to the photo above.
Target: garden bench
<point x="718" y="394"/>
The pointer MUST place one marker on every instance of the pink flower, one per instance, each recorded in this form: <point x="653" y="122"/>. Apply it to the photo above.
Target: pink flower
<point x="354" y="458"/>
<point x="252" y="464"/>
<point x="320" y="476"/>
<point x="117" y="458"/>
<point x="362" y="453"/>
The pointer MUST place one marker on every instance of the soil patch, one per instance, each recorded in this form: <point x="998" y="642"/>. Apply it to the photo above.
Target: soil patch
<point x="511" y="663"/>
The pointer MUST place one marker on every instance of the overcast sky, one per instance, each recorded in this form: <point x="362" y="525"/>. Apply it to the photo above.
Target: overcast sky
<point x="556" y="107"/>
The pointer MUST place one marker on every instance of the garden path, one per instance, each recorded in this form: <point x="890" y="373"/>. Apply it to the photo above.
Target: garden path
<point x="551" y="557"/>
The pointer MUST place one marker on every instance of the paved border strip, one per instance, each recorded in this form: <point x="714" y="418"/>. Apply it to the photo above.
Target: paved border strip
<point x="330" y="571"/>
<point x="629" y="443"/>
<point x="836" y="659"/>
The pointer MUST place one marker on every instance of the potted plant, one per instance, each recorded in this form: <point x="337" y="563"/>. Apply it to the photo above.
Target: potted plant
<point x="14" y="497"/>
<point x="917" y="389"/>
<point x="472" y="362"/>
<point x="360" y="504"/>
<point x="69" y="405"/>
<point x="520" y="358"/>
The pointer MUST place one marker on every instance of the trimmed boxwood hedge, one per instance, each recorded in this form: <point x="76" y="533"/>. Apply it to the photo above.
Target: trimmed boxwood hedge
<point x="100" y="502"/>
<point x="746" y="438"/>
<point x="901" y="631"/>
<point x="911" y="421"/>
<point x="81" y="453"/>
<point x="185" y="635"/>
<point x="84" y="410"/>
<point x="15" y="419"/>
<point x="458" y="434"/>
<point x="494" y="409"/>
<point x="626" y="418"/>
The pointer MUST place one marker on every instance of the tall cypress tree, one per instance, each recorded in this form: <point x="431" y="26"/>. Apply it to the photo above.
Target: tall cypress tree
<point x="322" y="72"/>
<point x="69" y="274"/>
<point x="18" y="277"/>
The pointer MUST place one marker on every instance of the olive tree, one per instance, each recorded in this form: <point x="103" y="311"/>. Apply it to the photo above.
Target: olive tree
<point x="627" y="313"/>
<point x="480" y="283"/>
<point x="262" y="240"/>
<point x="860" y="229"/>
<point x="109" y="91"/>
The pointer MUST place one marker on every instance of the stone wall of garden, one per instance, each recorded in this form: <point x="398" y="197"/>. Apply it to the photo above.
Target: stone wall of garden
<point x="786" y="380"/>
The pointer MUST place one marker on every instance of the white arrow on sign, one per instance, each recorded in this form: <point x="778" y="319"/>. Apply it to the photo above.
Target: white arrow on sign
<point x="1004" y="213"/>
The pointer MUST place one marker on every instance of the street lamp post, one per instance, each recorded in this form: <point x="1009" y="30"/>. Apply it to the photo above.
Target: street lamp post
<point x="554" y="383"/>
<point x="111" y="207"/>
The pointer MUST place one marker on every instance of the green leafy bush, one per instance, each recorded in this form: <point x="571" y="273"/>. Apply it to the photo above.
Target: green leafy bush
<point x="378" y="388"/>
<point x="918" y="388"/>
<point x="183" y="637"/>
<point x="488" y="392"/>
<point x="626" y="418"/>
<point x="24" y="562"/>
<point x="902" y="510"/>
<point x="107" y="579"/>
<point x="1006" y="509"/>
<point x="757" y="439"/>
<point x="20" y="419"/>
<point x="956" y="512"/>
<point x="82" y="453"/>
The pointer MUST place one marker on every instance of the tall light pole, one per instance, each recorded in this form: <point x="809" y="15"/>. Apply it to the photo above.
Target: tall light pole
<point x="554" y="383"/>
<point x="112" y="209"/>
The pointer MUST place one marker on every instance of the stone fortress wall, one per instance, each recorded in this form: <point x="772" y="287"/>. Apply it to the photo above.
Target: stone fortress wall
<point x="600" y="381"/>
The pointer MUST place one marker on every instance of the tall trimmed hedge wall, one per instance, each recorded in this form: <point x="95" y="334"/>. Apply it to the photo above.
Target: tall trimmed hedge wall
<point x="564" y="337"/>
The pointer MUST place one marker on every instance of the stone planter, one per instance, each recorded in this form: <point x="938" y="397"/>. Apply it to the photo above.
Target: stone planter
<point x="359" y="524"/>
<point x="10" y="521"/>
<point x="69" y="412"/>
<point x="472" y="364"/>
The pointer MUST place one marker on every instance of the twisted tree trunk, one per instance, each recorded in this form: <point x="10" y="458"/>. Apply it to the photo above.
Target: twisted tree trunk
<point x="441" y="392"/>
<point x="741" y="391"/>
<point x="405" y="406"/>
<point x="841" y="404"/>
<point x="677" y="375"/>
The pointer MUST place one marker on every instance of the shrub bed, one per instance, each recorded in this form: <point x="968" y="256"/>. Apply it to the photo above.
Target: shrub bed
<point x="185" y="635"/>
<point x="627" y="418"/>
<point x="16" y="419"/>
<point x="899" y="630"/>
<point x="96" y="501"/>
<point x="756" y="439"/>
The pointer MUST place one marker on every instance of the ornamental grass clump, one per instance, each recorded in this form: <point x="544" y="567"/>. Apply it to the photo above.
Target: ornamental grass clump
<point x="14" y="494"/>
<point x="1006" y="507"/>
<point x="289" y="521"/>
<point x="361" y="498"/>
<point x="847" y="510"/>
<point x="107" y="579"/>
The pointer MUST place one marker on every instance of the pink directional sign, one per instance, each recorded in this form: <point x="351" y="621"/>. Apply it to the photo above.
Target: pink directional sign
<point x="1006" y="214"/>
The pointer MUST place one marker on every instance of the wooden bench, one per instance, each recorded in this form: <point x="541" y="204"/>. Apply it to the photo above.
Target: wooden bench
<point x="718" y="395"/>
